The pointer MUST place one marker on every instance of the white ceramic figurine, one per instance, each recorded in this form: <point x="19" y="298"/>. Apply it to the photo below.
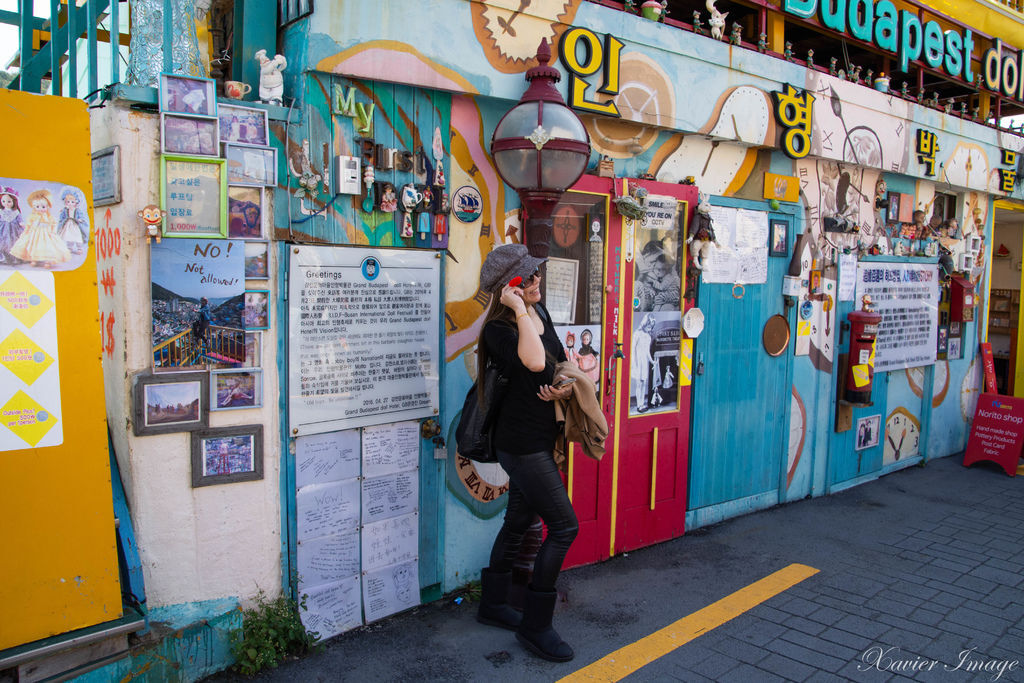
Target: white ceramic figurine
<point x="717" y="21"/>
<point x="271" y="80"/>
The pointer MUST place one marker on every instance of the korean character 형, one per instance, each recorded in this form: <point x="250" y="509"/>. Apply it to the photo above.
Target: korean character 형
<point x="793" y="112"/>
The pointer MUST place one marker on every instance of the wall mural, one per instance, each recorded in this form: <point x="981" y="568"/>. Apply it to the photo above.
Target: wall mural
<point x="509" y="34"/>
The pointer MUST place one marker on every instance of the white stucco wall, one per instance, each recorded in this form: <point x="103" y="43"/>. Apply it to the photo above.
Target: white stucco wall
<point x="195" y="544"/>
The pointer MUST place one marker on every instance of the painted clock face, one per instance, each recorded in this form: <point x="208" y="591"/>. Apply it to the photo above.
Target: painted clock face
<point x="902" y="436"/>
<point x="970" y="388"/>
<point x="967" y="166"/>
<point x="940" y="384"/>
<point x="797" y="432"/>
<point x="509" y="35"/>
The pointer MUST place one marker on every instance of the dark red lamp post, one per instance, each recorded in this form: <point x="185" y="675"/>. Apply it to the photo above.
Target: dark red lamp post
<point x="540" y="148"/>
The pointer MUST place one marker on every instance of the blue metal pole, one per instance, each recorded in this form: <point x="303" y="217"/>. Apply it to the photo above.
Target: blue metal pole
<point x="73" y="32"/>
<point x="115" y="42"/>
<point x="92" y="15"/>
<point x="56" y="87"/>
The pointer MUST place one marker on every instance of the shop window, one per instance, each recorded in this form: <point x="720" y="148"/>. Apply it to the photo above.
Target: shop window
<point x="943" y="208"/>
<point x="291" y="10"/>
<point x="574" y="279"/>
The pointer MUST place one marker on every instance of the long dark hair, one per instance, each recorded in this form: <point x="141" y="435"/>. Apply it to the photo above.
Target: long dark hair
<point x="495" y="311"/>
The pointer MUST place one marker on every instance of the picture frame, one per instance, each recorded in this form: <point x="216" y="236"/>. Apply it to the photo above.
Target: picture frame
<point x="106" y="176"/>
<point x="244" y="125"/>
<point x="778" y="238"/>
<point x="168" y="403"/>
<point x="236" y="389"/>
<point x="192" y="135"/>
<point x="255" y="166"/>
<point x="193" y="192"/>
<point x="253" y="350"/>
<point x="188" y="95"/>
<point x="954" y="349"/>
<point x="257" y="310"/>
<point x="257" y="260"/>
<point x="942" y="341"/>
<point x="868" y="432"/>
<point x="246" y="212"/>
<point x="227" y="455"/>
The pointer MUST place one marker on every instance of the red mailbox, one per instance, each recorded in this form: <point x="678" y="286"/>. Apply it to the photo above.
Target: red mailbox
<point x="861" y="366"/>
<point x="962" y="300"/>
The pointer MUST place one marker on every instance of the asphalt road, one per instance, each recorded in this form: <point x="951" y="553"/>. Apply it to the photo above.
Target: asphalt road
<point x="920" y="574"/>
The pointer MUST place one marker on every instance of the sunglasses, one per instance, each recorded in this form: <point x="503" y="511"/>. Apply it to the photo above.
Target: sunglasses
<point x="521" y="283"/>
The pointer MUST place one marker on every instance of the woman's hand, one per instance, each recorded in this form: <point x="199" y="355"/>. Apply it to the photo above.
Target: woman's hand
<point x="550" y="393"/>
<point x="513" y="298"/>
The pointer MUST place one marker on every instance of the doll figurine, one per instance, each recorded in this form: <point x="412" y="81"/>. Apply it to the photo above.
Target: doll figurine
<point x="73" y="222"/>
<point x="39" y="244"/>
<point x="10" y="223"/>
<point x="271" y="80"/>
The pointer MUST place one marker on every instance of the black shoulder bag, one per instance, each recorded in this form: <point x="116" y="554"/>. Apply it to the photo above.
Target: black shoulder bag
<point x="476" y="426"/>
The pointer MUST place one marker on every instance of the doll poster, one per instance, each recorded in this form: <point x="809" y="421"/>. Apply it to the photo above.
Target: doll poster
<point x="43" y="225"/>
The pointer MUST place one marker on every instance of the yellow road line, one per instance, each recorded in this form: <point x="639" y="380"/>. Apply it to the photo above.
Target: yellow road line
<point x="631" y="658"/>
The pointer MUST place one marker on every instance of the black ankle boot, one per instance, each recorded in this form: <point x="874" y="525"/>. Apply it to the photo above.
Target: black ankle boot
<point x="494" y="610"/>
<point x="536" y="634"/>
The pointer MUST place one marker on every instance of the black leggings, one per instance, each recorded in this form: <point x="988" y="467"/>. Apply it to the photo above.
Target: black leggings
<point x="535" y="488"/>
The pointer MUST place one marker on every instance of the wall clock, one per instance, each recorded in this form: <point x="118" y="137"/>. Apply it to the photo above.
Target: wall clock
<point x="902" y="436"/>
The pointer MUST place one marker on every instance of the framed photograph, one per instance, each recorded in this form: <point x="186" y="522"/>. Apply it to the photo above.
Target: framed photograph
<point x="106" y="176"/>
<point x="193" y="192"/>
<point x="867" y="432"/>
<point x="170" y="403"/>
<point x="257" y="265"/>
<point x="235" y="389"/>
<point x="954" y="349"/>
<point x="243" y="125"/>
<point x="257" y="309"/>
<point x="188" y="95"/>
<point x="227" y="455"/>
<point x="778" y="236"/>
<point x="256" y="166"/>
<point x="942" y="344"/>
<point x="253" y="349"/>
<point x="188" y="135"/>
<point x="245" y="212"/>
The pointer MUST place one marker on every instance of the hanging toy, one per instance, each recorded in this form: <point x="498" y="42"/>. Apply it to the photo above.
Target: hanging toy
<point x="437" y="149"/>
<point x="410" y="199"/>
<point x="423" y="215"/>
<point x="703" y="233"/>
<point x="444" y="207"/>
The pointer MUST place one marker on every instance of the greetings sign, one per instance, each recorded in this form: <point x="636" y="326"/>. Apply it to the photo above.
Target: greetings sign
<point x="907" y="296"/>
<point x="997" y="433"/>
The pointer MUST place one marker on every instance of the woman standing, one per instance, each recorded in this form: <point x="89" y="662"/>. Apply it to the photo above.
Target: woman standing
<point x="520" y="340"/>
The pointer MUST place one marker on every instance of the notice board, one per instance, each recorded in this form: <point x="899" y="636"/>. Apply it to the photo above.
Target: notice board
<point x="364" y="337"/>
<point x="907" y="296"/>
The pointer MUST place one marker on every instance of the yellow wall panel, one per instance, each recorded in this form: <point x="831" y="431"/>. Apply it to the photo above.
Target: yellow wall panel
<point x="56" y="514"/>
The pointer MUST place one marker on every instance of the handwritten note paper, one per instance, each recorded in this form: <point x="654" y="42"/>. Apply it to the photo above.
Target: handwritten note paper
<point x="327" y="559"/>
<point x="390" y="541"/>
<point x="847" y="276"/>
<point x="333" y="608"/>
<point x="321" y="458"/>
<point x="743" y="255"/>
<point x="390" y="448"/>
<point x="562" y="279"/>
<point x="391" y="589"/>
<point x="325" y="509"/>
<point x="390" y="495"/>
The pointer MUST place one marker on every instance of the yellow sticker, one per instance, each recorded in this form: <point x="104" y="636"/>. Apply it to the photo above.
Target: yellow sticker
<point x="686" y="363"/>
<point x="23" y="357"/>
<point x="861" y="375"/>
<point x="24" y="300"/>
<point x="803" y="328"/>
<point x="26" y="418"/>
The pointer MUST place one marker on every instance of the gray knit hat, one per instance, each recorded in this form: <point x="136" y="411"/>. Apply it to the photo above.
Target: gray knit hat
<point x="506" y="262"/>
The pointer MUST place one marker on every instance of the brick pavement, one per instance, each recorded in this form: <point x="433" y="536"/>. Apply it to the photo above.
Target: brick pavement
<point x="916" y="569"/>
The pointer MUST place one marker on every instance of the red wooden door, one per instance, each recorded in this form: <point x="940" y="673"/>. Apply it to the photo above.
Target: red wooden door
<point x="636" y="495"/>
<point x="653" y="398"/>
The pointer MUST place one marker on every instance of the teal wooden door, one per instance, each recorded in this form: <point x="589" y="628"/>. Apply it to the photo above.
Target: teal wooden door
<point x="741" y="395"/>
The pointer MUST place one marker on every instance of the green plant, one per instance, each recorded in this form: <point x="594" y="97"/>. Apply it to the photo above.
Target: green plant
<point x="271" y="630"/>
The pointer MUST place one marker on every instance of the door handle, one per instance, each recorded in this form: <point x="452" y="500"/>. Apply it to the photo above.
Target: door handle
<point x="700" y="364"/>
<point x="616" y="355"/>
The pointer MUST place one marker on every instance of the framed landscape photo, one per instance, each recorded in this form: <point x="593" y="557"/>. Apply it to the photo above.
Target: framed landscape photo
<point x="256" y="166"/>
<point x="193" y="192"/>
<point x="188" y="135"/>
<point x="227" y="455"/>
<point x="245" y="212"/>
<point x="256" y="261"/>
<point x="257" y="309"/>
<point x="188" y="95"/>
<point x="170" y="403"/>
<point x="236" y="389"/>
<point x="243" y="125"/>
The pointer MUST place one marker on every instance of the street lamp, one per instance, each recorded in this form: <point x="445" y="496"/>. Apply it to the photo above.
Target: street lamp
<point x="540" y="148"/>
